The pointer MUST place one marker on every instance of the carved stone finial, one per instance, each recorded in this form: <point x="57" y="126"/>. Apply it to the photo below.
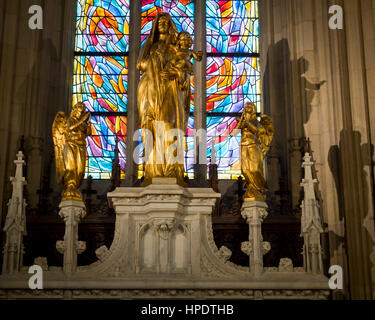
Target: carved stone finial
<point x="266" y="247"/>
<point x="311" y="226"/>
<point x="15" y="221"/>
<point x="225" y="253"/>
<point x="41" y="261"/>
<point x="102" y="253"/>
<point x="247" y="247"/>
<point x="285" y="265"/>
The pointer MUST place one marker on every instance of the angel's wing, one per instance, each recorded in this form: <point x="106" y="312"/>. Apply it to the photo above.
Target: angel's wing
<point x="59" y="132"/>
<point x="265" y="134"/>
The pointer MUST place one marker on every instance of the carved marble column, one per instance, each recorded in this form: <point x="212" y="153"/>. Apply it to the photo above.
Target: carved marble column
<point x="254" y="212"/>
<point x="71" y="211"/>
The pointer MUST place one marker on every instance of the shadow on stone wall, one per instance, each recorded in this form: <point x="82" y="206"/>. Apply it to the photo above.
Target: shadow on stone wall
<point x="310" y="88"/>
<point x="277" y="68"/>
<point x="351" y="176"/>
<point x="44" y="85"/>
<point x="283" y="78"/>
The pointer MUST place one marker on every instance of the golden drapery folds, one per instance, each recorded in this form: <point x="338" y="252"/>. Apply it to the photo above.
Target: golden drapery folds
<point x="164" y="97"/>
<point x="256" y="138"/>
<point x="69" y="137"/>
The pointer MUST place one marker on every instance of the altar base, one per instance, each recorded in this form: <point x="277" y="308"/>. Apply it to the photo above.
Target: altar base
<point x="163" y="247"/>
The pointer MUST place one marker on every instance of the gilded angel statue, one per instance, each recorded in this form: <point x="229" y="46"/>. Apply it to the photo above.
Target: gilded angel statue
<point x="256" y="138"/>
<point x="69" y="137"/>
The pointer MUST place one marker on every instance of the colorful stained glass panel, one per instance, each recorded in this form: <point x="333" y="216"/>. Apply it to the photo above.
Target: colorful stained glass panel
<point x="230" y="82"/>
<point x="232" y="26"/>
<point x="102" y="26"/>
<point x="101" y="82"/>
<point x="100" y="79"/>
<point x="226" y="143"/>
<point x="181" y="11"/>
<point x="101" y="144"/>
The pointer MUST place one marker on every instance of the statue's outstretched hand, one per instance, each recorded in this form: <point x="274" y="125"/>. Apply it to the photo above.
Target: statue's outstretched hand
<point x="199" y="55"/>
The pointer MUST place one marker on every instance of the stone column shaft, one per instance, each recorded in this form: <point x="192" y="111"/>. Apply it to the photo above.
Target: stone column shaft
<point x="200" y="169"/>
<point x="254" y="212"/>
<point x="71" y="211"/>
<point x="132" y="116"/>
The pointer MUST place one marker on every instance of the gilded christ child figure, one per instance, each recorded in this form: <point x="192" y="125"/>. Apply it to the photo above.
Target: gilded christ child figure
<point x="180" y="66"/>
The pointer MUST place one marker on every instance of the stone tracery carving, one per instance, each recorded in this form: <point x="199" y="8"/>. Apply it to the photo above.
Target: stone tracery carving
<point x="246" y="247"/>
<point x="102" y="253"/>
<point x="164" y="227"/>
<point x="285" y="265"/>
<point x="225" y="253"/>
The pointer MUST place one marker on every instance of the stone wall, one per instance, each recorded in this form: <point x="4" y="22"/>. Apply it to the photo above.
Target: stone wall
<point x="36" y="74"/>
<point x="320" y="84"/>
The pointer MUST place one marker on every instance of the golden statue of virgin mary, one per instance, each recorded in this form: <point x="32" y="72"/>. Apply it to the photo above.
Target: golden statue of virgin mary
<point x="164" y="99"/>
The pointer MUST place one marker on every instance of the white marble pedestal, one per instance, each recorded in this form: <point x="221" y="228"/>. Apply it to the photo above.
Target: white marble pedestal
<point x="72" y="211"/>
<point x="254" y="212"/>
<point x="159" y="229"/>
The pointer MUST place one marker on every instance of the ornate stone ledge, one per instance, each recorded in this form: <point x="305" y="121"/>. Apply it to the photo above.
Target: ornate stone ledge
<point x="271" y="287"/>
<point x="227" y="294"/>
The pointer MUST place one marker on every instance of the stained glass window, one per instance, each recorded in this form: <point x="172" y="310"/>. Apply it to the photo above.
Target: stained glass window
<point x="101" y="79"/>
<point x="102" y="26"/>
<point x="232" y="26"/>
<point x="102" y="143"/>
<point x="181" y="11"/>
<point x="101" y="82"/>
<point x="101" y="74"/>
<point x="232" y="77"/>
